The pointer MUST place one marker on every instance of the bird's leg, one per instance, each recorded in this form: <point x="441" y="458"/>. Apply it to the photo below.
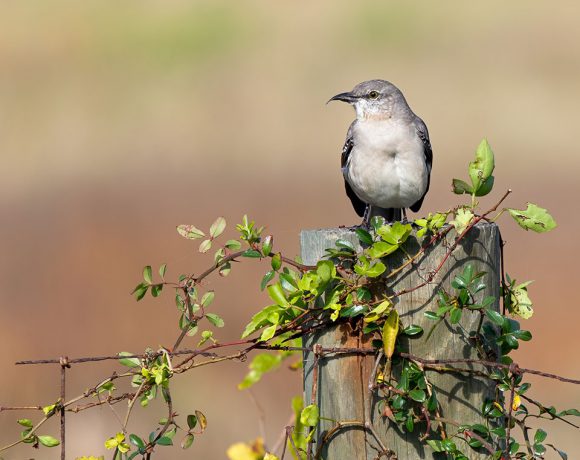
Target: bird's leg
<point x="366" y="222"/>
<point x="404" y="214"/>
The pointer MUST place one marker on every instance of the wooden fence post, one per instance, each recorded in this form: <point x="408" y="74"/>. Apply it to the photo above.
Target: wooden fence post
<point x="341" y="390"/>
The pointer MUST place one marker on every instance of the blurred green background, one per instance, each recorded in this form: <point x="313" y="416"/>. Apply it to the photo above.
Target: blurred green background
<point x="120" y="120"/>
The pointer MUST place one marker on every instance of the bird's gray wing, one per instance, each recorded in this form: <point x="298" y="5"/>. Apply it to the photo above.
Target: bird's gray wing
<point x="423" y="134"/>
<point x="358" y="205"/>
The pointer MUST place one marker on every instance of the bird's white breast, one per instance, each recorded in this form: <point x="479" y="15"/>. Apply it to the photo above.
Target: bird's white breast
<point x="386" y="166"/>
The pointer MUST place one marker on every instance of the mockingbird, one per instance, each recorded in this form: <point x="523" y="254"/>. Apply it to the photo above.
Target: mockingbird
<point x="387" y="157"/>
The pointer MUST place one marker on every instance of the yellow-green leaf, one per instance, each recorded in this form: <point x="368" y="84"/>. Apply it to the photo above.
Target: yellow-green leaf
<point x="481" y="168"/>
<point x="520" y="301"/>
<point x="190" y="232"/>
<point x="463" y="218"/>
<point x="48" y="441"/>
<point x="533" y="218"/>
<point x="276" y="293"/>
<point x="217" y="227"/>
<point x="390" y="332"/>
<point x="309" y="415"/>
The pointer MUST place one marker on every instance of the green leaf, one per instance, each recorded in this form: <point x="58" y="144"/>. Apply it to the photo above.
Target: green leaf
<point x="375" y="270"/>
<point x="156" y="289"/>
<point x="25" y="422"/>
<point x="570" y="412"/>
<point x="266" y="362"/>
<point x="260" y="319"/>
<point x="136" y="441"/>
<point x="435" y="444"/>
<point x="225" y="269"/>
<point x="268" y="333"/>
<point x="390" y="332"/>
<point x="218" y="227"/>
<point x="409" y="424"/>
<point x="364" y="268"/>
<point x="140" y="291"/>
<point x="494" y="316"/>
<point x="309" y="415"/>
<point x="147" y="274"/>
<point x="266" y="279"/>
<point x="164" y="441"/>
<point x="413" y="329"/>
<point x="205" y="246"/>
<point x="187" y="441"/>
<point x="267" y="245"/>
<point x="539" y="449"/>
<point x="276" y="261"/>
<point x="129" y="362"/>
<point x="364" y="236"/>
<point x="276" y="293"/>
<point x="460" y="187"/>
<point x="523" y="335"/>
<point x="252" y="253"/>
<point x="215" y="319"/>
<point x="190" y="232"/>
<point x="205" y="336"/>
<point x="482" y="167"/>
<point x="540" y="436"/>
<point x="191" y="421"/>
<point x="353" y="311"/>
<point x="207" y="299"/>
<point x="326" y="270"/>
<point x="48" y="441"/>
<point x="233" y="245"/>
<point x="448" y="445"/>
<point x="417" y="395"/>
<point x="382" y="249"/>
<point x="162" y="271"/>
<point x="485" y="187"/>
<point x="455" y="315"/>
<point x="432" y="315"/>
<point x="533" y="218"/>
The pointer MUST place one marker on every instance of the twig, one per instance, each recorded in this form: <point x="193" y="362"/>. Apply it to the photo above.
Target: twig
<point x="283" y="438"/>
<point x="487" y="445"/>
<point x="131" y="404"/>
<point x="289" y="430"/>
<point x="63" y="365"/>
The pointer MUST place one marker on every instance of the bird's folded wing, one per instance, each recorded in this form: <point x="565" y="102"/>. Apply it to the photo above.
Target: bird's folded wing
<point x="423" y="134"/>
<point x="358" y="205"/>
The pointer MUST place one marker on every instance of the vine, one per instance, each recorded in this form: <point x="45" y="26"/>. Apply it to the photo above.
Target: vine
<point x="339" y="288"/>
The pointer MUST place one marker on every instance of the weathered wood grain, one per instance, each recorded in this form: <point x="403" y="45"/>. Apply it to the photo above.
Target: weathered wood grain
<point x="343" y="394"/>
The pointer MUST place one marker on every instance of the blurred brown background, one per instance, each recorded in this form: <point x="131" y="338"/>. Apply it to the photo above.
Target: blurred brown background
<point x="120" y="120"/>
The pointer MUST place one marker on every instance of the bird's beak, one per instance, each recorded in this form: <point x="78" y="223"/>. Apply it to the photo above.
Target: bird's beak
<point x="344" y="97"/>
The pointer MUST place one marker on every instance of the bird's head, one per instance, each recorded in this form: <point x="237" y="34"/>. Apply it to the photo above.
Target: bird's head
<point x="374" y="99"/>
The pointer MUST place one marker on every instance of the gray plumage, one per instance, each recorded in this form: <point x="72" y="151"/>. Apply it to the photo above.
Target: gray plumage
<point x="387" y="157"/>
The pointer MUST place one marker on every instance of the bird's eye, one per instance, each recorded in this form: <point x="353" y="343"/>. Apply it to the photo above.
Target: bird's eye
<point x="373" y="95"/>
